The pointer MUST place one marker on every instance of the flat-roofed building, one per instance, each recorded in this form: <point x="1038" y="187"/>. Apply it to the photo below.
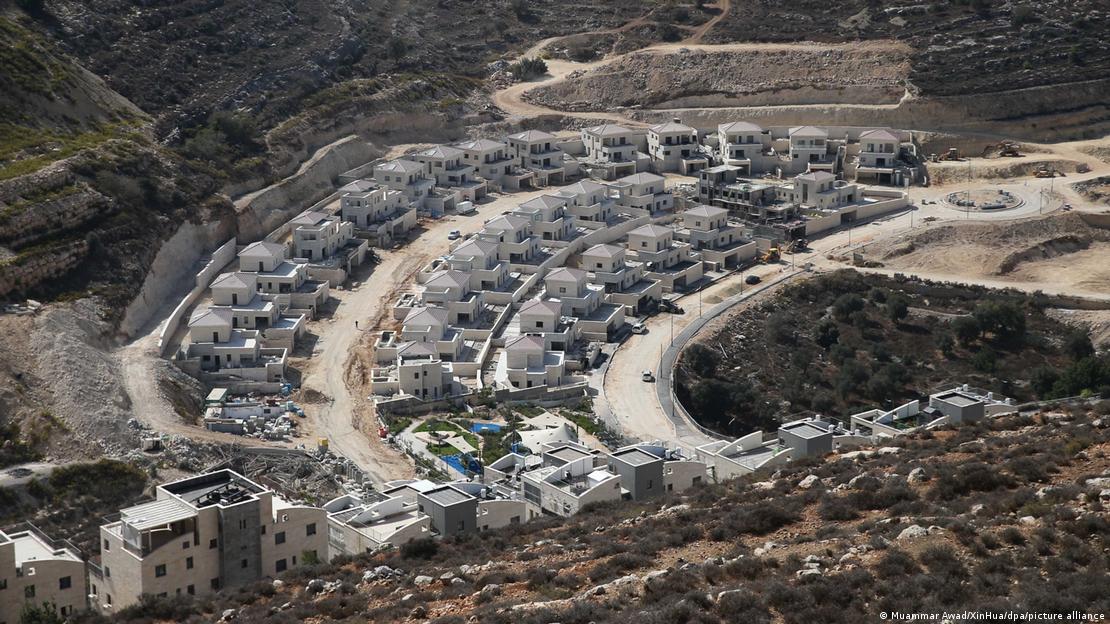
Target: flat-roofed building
<point x="205" y="533"/>
<point x="38" y="570"/>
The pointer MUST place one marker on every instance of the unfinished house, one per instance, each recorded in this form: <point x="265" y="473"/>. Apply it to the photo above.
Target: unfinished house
<point x="673" y="263"/>
<point x="513" y="234"/>
<point x="549" y="216"/>
<point x="674" y="147"/>
<point x="624" y="282"/>
<point x="493" y="163"/>
<point x="820" y="190"/>
<point x="415" y="370"/>
<point x="794" y="440"/>
<point x="643" y="193"/>
<point x="250" y="309"/>
<point x="328" y="244"/>
<point x="216" y="347"/>
<point x="479" y="258"/>
<point x="288" y="280"/>
<point x="452" y="511"/>
<point x="453" y="174"/>
<point x="536" y="152"/>
<point x="744" y="145"/>
<point x="588" y="201"/>
<point x="526" y="362"/>
<point x="950" y="407"/>
<point x="750" y="200"/>
<point x="569" y="478"/>
<point x="721" y="244"/>
<point x="967" y="404"/>
<point x="614" y="151"/>
<point x="879" y="150"/>
<point x="202" y="534"/>
<point x="365" y="522"/>
<point x="383" y="214"/>
<point x="544" y="317"/>
<point x="409" y="177"/>
<point x="38" y="570"/>
<point x="450" y="290"/>
<point x="596" y="319"/>
<point x="810" y="150"/>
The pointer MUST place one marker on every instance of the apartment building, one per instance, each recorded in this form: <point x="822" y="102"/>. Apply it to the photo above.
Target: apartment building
<point x="672" y="262"/>
<point x="549" y="216"/>
<point x="536" y="151"/>
<point x="214" y="531"/>
<point x="674" y="146"/>
<point x="38" y="570"/>
<point x="214" y="345"/>
<point x="250" y="309"/>
<point x="645" y="192"/>
<point x="614" y="151"/>
<point x="624" y="282"/>
<point x="278" y="276"/>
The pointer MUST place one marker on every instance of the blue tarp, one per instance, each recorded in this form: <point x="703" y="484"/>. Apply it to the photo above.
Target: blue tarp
<point x="485" y="428"/>
<point x="463" y="463"/>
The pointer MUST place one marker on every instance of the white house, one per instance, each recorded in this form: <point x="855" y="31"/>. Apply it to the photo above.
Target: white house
<point x="673" y="146"/>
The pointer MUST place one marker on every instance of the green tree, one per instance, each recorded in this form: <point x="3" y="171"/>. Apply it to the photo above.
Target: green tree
<point x="826" y="334"/>
<point x="846" y="304"/>
<point x="44" y="613"/>
<point x="1005" y="320"/>
<point x="967" y="329"/>
<point x="1042" y="381"/>
<point x="701" y="359"/>
<point x="897" y="308"/>
<point x="1078" y="345"/>
<point x="946" y="344"/>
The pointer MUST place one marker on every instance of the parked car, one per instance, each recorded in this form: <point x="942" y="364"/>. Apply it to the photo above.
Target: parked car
<point x="639" y="328"/>
<point x="647" y="376"/>
<point x="752" y="279"/>
<point x="465" y="208"/>
<point x="454" y="235"/>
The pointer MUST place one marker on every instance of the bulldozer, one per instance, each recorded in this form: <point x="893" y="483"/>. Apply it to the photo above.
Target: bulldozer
<point x="771" y="255"/>
<point x="1005" y="149"/>
<point x="952" y="154"/>
<point x="1044" y="171"/>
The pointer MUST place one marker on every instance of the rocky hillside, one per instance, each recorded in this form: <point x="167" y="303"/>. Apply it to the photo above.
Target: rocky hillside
<point x="1007" y="515"/>
<point x="961" y="46"/>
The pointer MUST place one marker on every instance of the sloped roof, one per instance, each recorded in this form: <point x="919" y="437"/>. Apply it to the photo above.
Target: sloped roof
<point x="581" y="187"/>
<point x="311" y="217"/>
<point x="577" y="275"/>
<point x="210" y="317"/>
<point x="554" y="307"/>
<point x="449" y="278"/>
<point x="608" y="130"/>
<point x="264" y="248"/>
<point x="605" y="250"/>
<point x="507" y="222"/>
<point x="739" y="126"/>
<point x="532" y="135"/>
<point x="642" y="178"/>
<point x="358" y="186"/>
<point x="476" y="247"/>
<point x="401" y="164"/>
<point x="442" y="151"/>
<point x="808" y="132"/>
<point x="705" y="211"/>
<point x="817" y="176"/>
<point x="651" y="230"/>
<point x="525" y="343"/>
<point x="237" y="279"/>
<point x="479" y="145"/>
<point x="671" y="126"/>
<point x="426" y="317"/>
<point x="416" y="349"/>
<point x="879" y="134"/>
<point x="534" y="440"/>
<point x="544" y="201"/>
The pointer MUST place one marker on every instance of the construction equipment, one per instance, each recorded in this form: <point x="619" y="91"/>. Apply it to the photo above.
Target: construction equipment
<point x="1044" y="171"/>
<point x="1005" y="149"/>
<point x="796" y="245"/>
<point x="952" y="154"/>
<point x="1082" y="168"/>
<point x="771" y="255"/>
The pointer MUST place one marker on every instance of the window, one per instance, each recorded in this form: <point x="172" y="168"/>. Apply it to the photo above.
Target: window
<point x="462" y="525"/>
<point x="108" y="599"/>
<point x="3" y="584"/>
<point x="281" y="565"/>
<point x="107" y="571"/>
<point x="242" y="524"/>
<point x="279" y="538"/>
<point x="191" y="590"/>
<point x="263" y="529"/>
<point x="294" y="559"/>
<point x="160" y="570"/>
<point x="188" y="563"/>
<point x="243" y="564"/>
<point x="65" y="582"/>
<point x="215" y="584"/>
<point x="212" y="543"/>
<point x="29" y="591"/>
<point x="185" y="545"/>
<point x="311" y="529"/>
<point x="107" y="545"/>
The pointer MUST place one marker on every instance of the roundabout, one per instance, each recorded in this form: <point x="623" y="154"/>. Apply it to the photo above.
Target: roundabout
<point x="983" y="200"/>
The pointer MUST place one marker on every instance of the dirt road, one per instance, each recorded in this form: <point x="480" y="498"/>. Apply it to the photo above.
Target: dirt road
<point x="336" y="368"/>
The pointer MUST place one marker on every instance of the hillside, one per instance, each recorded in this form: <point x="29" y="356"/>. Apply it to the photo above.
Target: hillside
<point x="1007" y="515"/>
